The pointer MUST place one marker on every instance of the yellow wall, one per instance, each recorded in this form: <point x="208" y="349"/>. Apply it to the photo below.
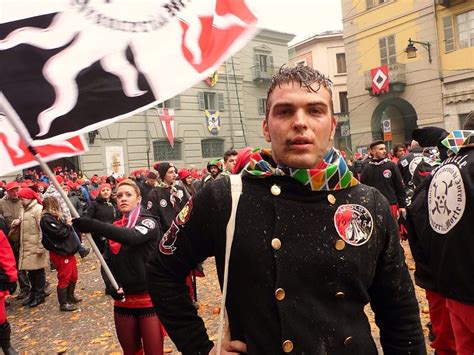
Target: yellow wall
<point x="398" y="18"/>
<point x="459" y="58"/>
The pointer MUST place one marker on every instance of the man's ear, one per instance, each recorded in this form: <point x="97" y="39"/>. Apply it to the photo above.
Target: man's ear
<point x="265" y="130"/>
<point x="334" y="125"/>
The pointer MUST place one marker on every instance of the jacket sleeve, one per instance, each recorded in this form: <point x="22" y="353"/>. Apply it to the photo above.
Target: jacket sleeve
<point x="392" y="295"/>
<point x="189" y="241"/>
<point x="91" y="211"/>
<point x="7" y="260"/>
<point x="144" y="231"/>
<point x="399" y="187"/>
<point x="54" y="229"/>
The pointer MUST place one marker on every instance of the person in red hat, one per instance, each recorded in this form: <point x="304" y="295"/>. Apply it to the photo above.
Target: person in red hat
<point x="243" y="157"/>
<point x="11" y="209"/>
<point x="8" y="278"/>
<point x="186" y="182"/>
<point x="33" y="256"/>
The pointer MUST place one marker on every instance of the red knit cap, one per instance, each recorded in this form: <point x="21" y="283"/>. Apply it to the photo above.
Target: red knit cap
<point x="104" y="186"/>
<point x="183" y="174"/>
<point x="60" y="179"/>
<point x="29" y="194"/>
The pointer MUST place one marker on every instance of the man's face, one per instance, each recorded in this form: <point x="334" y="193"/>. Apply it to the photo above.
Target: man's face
<point x="230" y="163"/>
<point x="400" y="152"/>
<point x="300" y="125"/>
<point x="379" y="151"/>
<point x="13" y="193"/>
<point x="170" y="176"/>
<point x="214" y="170"/>
<point x="151" y="182"/>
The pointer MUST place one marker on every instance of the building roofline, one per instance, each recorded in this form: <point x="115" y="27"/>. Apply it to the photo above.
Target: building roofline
<point x="276" y="35"/>
<point x="318" y="37"/>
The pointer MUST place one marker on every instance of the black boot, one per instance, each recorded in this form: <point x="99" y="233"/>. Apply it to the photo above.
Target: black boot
<point x="30" y="299"/>
<point x="64" y="305"/>
<point x="37" y="300"/>
<point x="5" y="344"/>
<point x="84" y="251"/>
<point x="71" y="298"/>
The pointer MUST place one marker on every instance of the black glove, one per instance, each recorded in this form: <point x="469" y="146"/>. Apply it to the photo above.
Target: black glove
<point x="117" y="295"/>
<point x="85" y="224"/>
<point x="11" y="287"/>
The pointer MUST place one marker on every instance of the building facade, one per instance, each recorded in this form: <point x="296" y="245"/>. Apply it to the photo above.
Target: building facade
<point x="377" y="35"/>
<point x="236" y="103"/>
<point x="325" y="52"/>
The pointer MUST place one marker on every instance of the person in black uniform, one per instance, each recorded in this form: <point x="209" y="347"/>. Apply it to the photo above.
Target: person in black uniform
<point x="166" y="200"/>
<point x="384" y="175"/>
<point x="312" y="246"/>
<point x="131" y="241"/>
<point x="408" y="163"/>
<point x="146" y="186"/>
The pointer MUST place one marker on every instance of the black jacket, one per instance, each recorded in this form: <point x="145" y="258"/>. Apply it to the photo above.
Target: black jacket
<point x="385" y="177"/>
<point x="103" y="211"/>
<point x="128" y="265"/>
<point x="57" y="236"/>
<point x="160" y="204"/>
<point x="145" y="190"/>
<point x="443" y="214"/>
<point x="407" y="164"/>
<point x="326" y="289"/>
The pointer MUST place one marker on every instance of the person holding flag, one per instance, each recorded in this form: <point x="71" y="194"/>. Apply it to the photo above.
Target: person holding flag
<point x="131" y="240"/>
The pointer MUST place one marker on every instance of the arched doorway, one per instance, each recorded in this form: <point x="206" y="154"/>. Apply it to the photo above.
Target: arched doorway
<point x="402" y="116"/>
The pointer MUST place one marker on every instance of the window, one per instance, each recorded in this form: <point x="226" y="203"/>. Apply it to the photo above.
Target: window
<point x="465" y="26"/>
<point x="212" y="148"/>
<point x="343" y="103"/>
<point x="387" y="50"/>
<point x="262" y="106"/>
<point x="462" y="120"/>
<point x="174" y="103"/>
<point x="211" y="101"/>
<point x="162" y="150"/>
<point x="372" y="3"/>
<point x="264" y="62"/>
<point x="448" y="34"/>
<point x="341" y="63"/>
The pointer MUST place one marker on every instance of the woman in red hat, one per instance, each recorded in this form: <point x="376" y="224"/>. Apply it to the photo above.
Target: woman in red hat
<point x="33" y="256"/>
<point x="187" y="180"/>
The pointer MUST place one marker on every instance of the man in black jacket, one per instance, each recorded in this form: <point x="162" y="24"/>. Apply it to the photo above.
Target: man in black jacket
<point x="384" y="175"/>
<point x="312" y="246"/>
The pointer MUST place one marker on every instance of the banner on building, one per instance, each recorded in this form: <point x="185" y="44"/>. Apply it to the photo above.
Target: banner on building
<point x="212" y="79"/>
<point x="213" y="121"/>
<point x="72" y="66"/>
<point x="114" y="160"/>
<point x="387" y="130"/>
<point x="380" y="80"/>
<point x="167" y="121"/>
<point x="15" y="155"/>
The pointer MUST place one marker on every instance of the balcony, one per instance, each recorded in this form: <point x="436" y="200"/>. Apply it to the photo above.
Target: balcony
<point x="262" y="75"/>
<point x="449" y="3"/>
<point x="396" y="77"/>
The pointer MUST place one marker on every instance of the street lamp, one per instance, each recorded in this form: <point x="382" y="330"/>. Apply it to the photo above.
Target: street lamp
<point x="411" y="49"/>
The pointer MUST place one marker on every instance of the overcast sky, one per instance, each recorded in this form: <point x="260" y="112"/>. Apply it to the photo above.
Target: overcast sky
<point x="303" y="18"/>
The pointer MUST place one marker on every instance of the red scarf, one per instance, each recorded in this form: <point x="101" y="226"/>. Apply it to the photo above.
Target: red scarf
<point x="128" y="220"/>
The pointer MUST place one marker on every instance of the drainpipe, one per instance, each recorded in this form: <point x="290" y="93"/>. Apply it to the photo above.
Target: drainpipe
<point x="440" y="71"/>
<point x="229" y="107"/>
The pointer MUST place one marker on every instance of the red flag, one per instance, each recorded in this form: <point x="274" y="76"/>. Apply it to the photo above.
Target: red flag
<point x="167" y="120"/>
<point x="380" y="82"/>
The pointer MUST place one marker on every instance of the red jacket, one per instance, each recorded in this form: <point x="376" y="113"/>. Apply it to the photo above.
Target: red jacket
<point x="7" y="261"/>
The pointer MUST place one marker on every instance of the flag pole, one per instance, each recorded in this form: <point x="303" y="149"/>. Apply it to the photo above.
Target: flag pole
<point x="21" y="132"/>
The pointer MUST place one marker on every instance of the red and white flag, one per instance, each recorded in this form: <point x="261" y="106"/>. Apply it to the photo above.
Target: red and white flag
<point x="72" y="66"/>
<point x="16" y="156"/>
<point x="380" y="80"/>
<point x="167" y="120"/>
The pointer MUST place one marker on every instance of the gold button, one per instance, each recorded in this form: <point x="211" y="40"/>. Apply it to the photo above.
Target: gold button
<point x="276" y="243"/>
<point x="340" y="244"/>
<point x="348" y="341"/>
<point x="280" y="294"/>
<point x="275" y="190"/>
<point x="287" y="346"/>
<point x="331" y="199"/>
<point x="340" y="294"/>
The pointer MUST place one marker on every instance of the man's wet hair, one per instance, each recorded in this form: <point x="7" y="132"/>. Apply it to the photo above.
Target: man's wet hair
<point x="306" y="77"/>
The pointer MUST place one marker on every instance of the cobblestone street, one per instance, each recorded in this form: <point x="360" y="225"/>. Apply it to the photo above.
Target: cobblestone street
<point x="91" y="329"/>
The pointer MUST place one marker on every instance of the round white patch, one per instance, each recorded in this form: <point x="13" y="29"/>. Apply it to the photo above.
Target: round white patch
<point x="446" y="199"/>
<point x="148" y="223"/>
<point x="414" y="163"/>
<point x="66" y="261"/>
<point x="149" y="205"/>
<point x="180" y="194"/>
<point x="354" y="224"/>
<point x="141" y="229"/>
<point x="387" y="174"/>
<point x="163" y="203"/>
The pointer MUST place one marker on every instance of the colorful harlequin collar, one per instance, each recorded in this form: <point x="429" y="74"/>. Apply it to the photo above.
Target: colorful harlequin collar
<point x="332" y="173"/>
<point x="456" y="140"/>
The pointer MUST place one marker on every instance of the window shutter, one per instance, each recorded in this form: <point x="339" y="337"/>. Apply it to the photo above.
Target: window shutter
<point x="392" y="55"/>
<point x="383" y="50"/>
<point x="261" y="108"/>
<point x="220" y="102"/>
<point x="448" y="33"/>
<point x="202" y="105"/>
<point x="177" y="102"/>
<point x="370" y="3"/>
<point x="270" y="63"/>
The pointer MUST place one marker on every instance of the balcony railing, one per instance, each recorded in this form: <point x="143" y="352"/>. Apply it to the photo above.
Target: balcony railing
<point x="263" y="75"/>
<point x="396" y="77"/>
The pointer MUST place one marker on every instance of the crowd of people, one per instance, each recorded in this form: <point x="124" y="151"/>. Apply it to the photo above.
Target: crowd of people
<point x="313" y="237"/>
